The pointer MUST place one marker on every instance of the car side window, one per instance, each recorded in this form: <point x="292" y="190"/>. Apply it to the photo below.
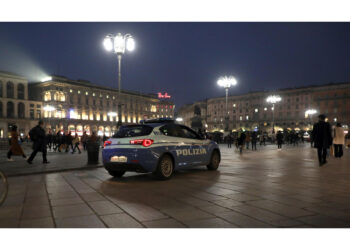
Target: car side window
<point x="188" y="133"/>
<point x="172" y="130"/>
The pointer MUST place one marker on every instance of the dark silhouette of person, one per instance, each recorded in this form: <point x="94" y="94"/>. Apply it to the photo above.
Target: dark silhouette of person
<point x="322" y="138"/>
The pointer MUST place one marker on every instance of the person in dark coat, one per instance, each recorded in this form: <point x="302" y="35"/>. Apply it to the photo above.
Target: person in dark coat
<point x="254" y="140"/>
<point x="15" y="147"/>
<point x="49" y="139"/>
<point x="279" y="138"/>
<point x="69" y="142"/>
<point x="322" y="138"/>
<point x="39" y="143"/>
<point x="241" y="140"/>
<point x="229" y="141"/>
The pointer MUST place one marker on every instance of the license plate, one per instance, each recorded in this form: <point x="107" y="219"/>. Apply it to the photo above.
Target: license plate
<point x="119" y="159"/>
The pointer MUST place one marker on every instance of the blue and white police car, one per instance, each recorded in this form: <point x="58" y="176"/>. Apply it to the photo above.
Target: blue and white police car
<point x="159" y="146"/>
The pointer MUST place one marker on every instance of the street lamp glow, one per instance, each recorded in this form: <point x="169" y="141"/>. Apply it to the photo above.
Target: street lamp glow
<point x="179" y="119"/>
<point x="310" y="112"/>
<point x="108" y="43"/>
<point x="273" y="99"/>
<point x="130" y="44"/>
<point x="117" y="45"/>
<point x="227" y="81"/>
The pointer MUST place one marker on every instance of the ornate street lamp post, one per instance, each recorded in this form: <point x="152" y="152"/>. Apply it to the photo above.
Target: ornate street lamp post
<point x="117" y="45"/>
<point x="226" y="82"/>
<point x="273" y="99"/>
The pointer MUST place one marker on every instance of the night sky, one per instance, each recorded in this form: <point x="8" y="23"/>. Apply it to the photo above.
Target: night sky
<point x="183" y="59"/>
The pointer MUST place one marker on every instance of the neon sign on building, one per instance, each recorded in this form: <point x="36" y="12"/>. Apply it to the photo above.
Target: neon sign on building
<point x="165" y="96"/>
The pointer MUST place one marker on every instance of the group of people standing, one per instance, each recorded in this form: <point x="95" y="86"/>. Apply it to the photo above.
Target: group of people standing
<point x="42" y="142"/>
<point x="324" y="140"/>
<point x="245" y="139"/>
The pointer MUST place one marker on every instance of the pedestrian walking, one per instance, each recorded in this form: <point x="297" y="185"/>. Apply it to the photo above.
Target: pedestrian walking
<point x="338" y="141"/>
<point x="49" y="139"/>
<point x="322" y="138"/>
<point x="229" y="141"/>
<point x="69" y="142"/>
<point x="76" y="144"/>
<point x="15" y="147"/>
<point x="84" y="139"/>
<point x="247" y="140"/>
<point x="37" y="135"/>
<point x="241" y="140"/>
<point x="254" y="140"/>
<point x="279" y="138"/>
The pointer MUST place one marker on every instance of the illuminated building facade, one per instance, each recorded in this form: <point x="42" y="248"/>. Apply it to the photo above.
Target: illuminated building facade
<point x="78" y="105"/>
<point x="15" y="106"/>
<point x="251" y="111"/>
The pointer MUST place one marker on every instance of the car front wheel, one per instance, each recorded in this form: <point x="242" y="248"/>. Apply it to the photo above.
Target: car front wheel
<point x="214" y="161"/>
<point x="165" y="168"/>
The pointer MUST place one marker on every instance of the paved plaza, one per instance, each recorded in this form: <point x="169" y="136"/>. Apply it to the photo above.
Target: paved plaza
<point x="262" y="189"/>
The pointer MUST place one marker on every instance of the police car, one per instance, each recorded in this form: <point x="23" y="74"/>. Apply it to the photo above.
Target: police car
<point x="158" y="146"/>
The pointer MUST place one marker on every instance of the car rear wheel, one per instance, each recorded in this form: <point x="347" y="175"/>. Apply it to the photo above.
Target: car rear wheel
<point x="165" y="168"/>
<point x="214" y="161"/>
<point x="115" y="173"/>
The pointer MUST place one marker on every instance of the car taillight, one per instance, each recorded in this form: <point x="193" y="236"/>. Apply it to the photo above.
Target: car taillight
<point x="107" y="143"/>
<point x="143" y="142"/>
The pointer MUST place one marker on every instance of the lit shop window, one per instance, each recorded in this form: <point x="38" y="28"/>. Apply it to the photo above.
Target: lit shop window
<point x="70" y="91"/>
<point x="153" y="108"/>
<point x="247" y="117"/>
<point x="240" y="118"/>
<point x="86" y="93"/>
<point x="234" y="105"/>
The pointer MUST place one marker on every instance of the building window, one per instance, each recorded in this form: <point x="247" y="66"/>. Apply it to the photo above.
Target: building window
<point x="71" y="99"/>
<point x="20" y="91"/>
<point x="247" y="117"/>
<point x="86" y="100"/>
<point x="38" y="114"/>
<point x="47" y="96"/>
<point x="31" y="113"/>
<point x="70" y="91"/>
<point x="86" y="93"/>
<point x="10" y="110"/>
<point x="101" y="103"/>
<point x="38" y="106"/>
<point x="240" y="118"/>
<point x="1" y="88"/>
<point x="79" y="100"/>
<point x="94" y="102"/>
<point x="32" y="105"/>
<point x="1" y="114"/>
<point x="93" y="94"/>
<point x="21" y="110"/>
<point x="78" y="91"/>
<point x="9" y="90"/>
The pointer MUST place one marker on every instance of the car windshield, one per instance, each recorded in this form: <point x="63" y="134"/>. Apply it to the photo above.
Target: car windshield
<point x="133" y="131"/>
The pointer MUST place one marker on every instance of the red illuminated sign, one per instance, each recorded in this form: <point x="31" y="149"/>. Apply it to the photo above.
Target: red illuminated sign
<point x="165" y="96"/>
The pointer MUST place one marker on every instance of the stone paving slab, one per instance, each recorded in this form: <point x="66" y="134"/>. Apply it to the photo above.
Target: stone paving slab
<point x="262" y="189"/>
<point x="58" y="162"/>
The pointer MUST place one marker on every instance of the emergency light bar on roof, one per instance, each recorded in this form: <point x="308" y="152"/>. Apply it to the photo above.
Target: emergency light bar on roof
<point x="160" y="120"/>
